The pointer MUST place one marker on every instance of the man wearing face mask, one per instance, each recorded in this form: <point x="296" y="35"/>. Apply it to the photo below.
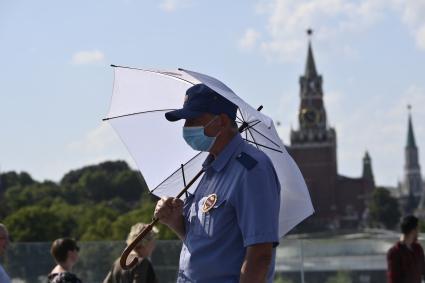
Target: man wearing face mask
<point x="229" y="226"/>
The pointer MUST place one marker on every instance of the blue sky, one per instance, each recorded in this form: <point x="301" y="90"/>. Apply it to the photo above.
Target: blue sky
<point x="56" y="81"/>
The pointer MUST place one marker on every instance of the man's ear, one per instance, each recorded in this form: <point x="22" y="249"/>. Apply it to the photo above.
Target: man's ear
<point x="224" y="120"/>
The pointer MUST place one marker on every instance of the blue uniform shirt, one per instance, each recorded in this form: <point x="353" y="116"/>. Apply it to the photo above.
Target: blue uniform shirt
<point x="245" y="212"/>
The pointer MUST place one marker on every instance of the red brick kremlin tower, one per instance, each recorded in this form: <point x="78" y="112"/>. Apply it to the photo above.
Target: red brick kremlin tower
<point x="340" y="202"/>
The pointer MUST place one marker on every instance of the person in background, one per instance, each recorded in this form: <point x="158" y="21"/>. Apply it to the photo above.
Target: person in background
<point x="406" y="262"/>
<point x="4" y="242"/>
<point x="65" y="252"/>
<point x="143" y="272"/>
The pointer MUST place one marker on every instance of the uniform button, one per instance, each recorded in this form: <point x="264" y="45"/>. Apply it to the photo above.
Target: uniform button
<point x="239" y="155"/>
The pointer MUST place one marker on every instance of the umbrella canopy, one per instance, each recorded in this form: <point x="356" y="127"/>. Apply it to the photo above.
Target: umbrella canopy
<point x="142" y="97"/>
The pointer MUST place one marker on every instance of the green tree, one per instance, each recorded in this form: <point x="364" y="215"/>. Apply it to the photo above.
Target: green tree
<point x="103" y="182"/>
<point x="101" y="230"/>
<point x="121" y="227"/>
<point x="20" y="196"/>
<point x="10" y="179"/>
<point x="7" y="181"/>
<point x="69" y="216"/>
<point x="96" y="202"/>
<point x="88" y="217"/>
<point x="383" y="209"/>
<point x="280" y="279"/>
<point x="33" y="224"/>
<point x="110" y="167"/>
<point x="340" y="277"/>
<point x="128" y="186"/>
<point x="96" y="185"/>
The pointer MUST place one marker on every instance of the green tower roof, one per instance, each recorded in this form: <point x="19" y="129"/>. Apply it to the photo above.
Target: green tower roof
<point x="310" y="66"/>
<point x="410" y="135"/>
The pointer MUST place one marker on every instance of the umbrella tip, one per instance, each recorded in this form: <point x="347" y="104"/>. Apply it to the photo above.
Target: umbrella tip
<point x="259" y="108"/>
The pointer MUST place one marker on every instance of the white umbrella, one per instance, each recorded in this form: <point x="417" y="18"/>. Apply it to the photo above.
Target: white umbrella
<point x="142" y="97"/>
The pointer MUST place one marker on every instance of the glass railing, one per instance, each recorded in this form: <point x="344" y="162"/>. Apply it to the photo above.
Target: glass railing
<point x="297" y="260"/>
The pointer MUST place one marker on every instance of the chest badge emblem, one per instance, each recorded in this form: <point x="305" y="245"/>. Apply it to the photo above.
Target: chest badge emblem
<point x="209" y="203"/>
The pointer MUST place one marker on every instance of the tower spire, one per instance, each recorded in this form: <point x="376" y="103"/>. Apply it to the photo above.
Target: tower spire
<point x="410" y="134"/>
<point x="310" y="66"/>
<point x="367" y="168"/>
<point x="413" y="186"/>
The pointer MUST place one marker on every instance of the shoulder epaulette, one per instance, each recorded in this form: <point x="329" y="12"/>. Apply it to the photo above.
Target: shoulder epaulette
<point x="246" y="160"/>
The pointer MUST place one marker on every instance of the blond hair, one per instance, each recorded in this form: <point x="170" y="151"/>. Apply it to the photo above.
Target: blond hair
<point x="136" y="229"/>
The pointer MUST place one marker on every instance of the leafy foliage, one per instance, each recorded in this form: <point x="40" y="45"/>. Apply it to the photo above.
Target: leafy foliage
<point x="383" y="209"/>
<point x="280" y="279"/>
<point x="33" y="223"/>
<point x="340" y="277"/>
<point x="97" y="202"/>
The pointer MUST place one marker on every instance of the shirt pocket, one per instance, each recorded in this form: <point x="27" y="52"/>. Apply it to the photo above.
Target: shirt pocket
<point x="205" y="223"/>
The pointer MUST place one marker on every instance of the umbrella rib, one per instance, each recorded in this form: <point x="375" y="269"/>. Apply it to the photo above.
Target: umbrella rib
<point x="265" y="146"/>
<point x="247" y="130"/>
<point x="243" y="121"/>
<point x="266" y="137"/>
<point x="256" y="123"/>
<point x="243" y="118"/>
<point x="176" y="171"/>
<point x="252" y="126"/>
<point x="252" y="136"/>
<point x="136" y="113"/>
<point x="152" y="71"/>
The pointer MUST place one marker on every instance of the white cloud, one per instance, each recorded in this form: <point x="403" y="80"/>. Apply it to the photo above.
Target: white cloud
<point x="172" y="5"/>
<point x="87" y="57"/>
<point x="95" y="141"/>
<point x="413" y="15"/>
<point x="420" y="37"/>
<point x="97" y="145"/>
<point x="249" y="39"/>
<point x="288" y="18"/>
<point x="168" y="5"/>
<point x="378" y="125"/>
<point x="288" y="109"/>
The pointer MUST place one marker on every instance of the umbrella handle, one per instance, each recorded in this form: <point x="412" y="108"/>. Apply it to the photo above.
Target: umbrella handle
<point x="146" y="230"/>
<point x="133" y="244"/>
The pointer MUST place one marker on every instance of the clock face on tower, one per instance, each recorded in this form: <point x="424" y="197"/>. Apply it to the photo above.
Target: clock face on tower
<point x="309" y="117"/>
<point x="312" y="86"/>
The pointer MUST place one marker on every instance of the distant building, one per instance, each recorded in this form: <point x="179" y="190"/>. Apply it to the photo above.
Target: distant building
<point x="411" y="190"/>
<point x="339" y="201"/>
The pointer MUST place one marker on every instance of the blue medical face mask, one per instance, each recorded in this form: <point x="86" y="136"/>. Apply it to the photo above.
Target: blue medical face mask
<point x="195" y="137"/>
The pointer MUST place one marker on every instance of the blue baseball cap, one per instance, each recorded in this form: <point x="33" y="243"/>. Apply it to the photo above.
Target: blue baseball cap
<point x="202" y="99"/>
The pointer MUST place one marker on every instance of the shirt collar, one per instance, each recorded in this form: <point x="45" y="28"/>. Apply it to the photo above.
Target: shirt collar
<point x="224" y="156"/>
